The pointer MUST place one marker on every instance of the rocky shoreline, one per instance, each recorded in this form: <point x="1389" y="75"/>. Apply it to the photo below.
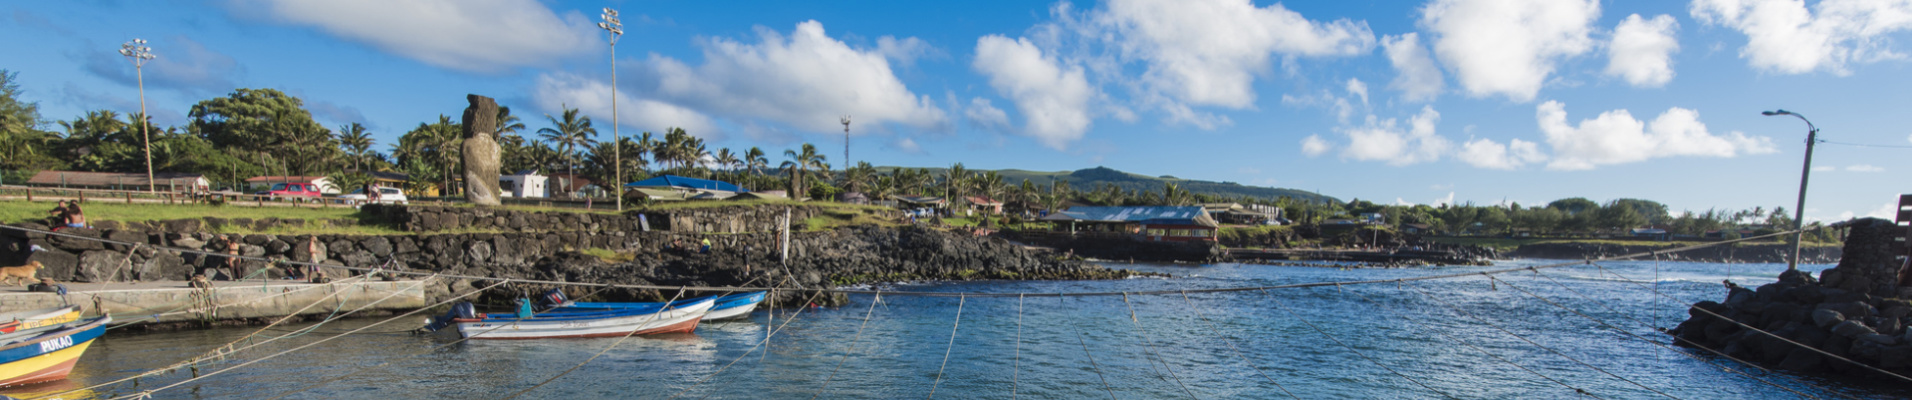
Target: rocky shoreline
<point x="1856" y="310"/>
<point x="1755" y="253"/>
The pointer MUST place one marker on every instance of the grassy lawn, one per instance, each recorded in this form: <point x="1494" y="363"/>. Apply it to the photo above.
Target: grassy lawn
<point x="837" y="218"/>
<point x="21" y="211"/>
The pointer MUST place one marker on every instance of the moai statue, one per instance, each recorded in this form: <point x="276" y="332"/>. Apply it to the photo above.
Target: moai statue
<point x="481" y="151"/>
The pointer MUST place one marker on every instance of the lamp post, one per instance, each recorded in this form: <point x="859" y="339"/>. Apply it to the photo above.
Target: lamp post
<point x="846" y="143"/>
<point x="1799" y="209"/>
<point x="137" y="51"/>
<point x="613" y="28"/>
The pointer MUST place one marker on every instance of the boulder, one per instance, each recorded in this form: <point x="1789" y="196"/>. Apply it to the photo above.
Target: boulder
<point x="276" y="246"/>
<point x="478" y="251"/>
<point x="252" y="251"/>
<point x="1852" y="329"/>
<point x="164" y="266"/>
<point x="120" y="235"/>
<point x="55" y="263"/>
<point x="102" y="266"/>
<point x="77" y="244"/>
<point x="184" y="226"/>
<point x="1825" y="318"/>
<point x="1880" y="339"/>
<point x="189" y="242"/>
<point x="378" y="245"/>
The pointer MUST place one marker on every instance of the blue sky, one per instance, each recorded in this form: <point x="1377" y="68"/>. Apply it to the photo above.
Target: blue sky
<point x="1477" y="101"/>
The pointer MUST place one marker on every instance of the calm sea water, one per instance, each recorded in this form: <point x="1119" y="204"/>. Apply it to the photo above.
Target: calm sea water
<point x="1251" y="345"/>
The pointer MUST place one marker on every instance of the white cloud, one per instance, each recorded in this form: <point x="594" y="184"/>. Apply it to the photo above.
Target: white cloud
<point x="1508" y="47"/>
<point x="1615" y="137"/>
<point x="1207" y="52"/>
<point x="907" y="145"/>
<point x="1642" y="50"/>
<point x="1385" y="140"/>
<point x="469" y="35"/>
<point x="1444" y="200"/>
<point x="555" y="91"/>
<point x="806" y="80"/>
<point x="1314" y="145"/>
<point x="1484" y="153"/>
<point x="983" y="114"/>
<point x="1053" y="98"/>
<point x="1783" y="36"/>
<point x="1908" y="138"/>
<point x="1418" y="78"/>
<point x="1357" y="88"/>
<point x="1864" y="168"/>
<point x="1824" y="168"/>
<point x="906" y="50"/>
<point x="1340" y="106"/>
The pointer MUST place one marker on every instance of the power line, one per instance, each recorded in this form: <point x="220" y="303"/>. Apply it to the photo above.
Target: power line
<point x="1883" y="146"/>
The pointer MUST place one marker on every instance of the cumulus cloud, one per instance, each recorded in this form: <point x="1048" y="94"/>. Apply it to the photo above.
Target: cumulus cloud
<point x="468" y="35"/>
<point x="1642" y="50"/>
<point x="1783" y="36"/>
<point x="805" y="80"/>
<point x="1358" y="88"/>
<point x="906" y="50"/>
<point x="1339" y="105"/>
<point x="1615" y="137"/>
<point x="983" y="114"/>
<point x="1508" y="47"/>
<point x="1208" y="52"/>
<point x="907" y="145"/>
<point x="1484" y="153"/>
<point x="556" y="91"/>
<point x="179" y="64"/>
<point x="1314" y="145"/>
<point x="1052" y="97"/>
<point x="1416" y="77"/>
<point x="1388" y="141"/>
<point x="1864" y="168"/>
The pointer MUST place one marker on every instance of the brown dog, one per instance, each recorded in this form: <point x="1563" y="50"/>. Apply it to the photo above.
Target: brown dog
<point x="20" y="274"/>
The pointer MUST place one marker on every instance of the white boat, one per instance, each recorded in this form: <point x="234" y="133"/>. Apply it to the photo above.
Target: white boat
<point x="681" y="317"/>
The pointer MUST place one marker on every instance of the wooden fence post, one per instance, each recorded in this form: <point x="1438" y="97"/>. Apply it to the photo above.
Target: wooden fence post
<point x="29" y="195"/>
<point x="129" y="197"/>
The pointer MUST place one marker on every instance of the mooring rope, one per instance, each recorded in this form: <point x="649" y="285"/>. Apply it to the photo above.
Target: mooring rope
<point x="356" y="371"/>
<point x="1781" y="338"/>
<point x="1350" y="348"/>
<point x="1085" y="352"/>
<point x="1641" y="338"/>
<point x="316" y="342"/>
<point x="1213" y="327"/>
<point x="858" y="338"/>
<point x="946" y="350"/>
<point x="766" y="339"/>
<point x="600" y="353"/>
<point x="1471" y="345"/>
<point x="1148" y="348"/>
<point x="1457" y="310"/>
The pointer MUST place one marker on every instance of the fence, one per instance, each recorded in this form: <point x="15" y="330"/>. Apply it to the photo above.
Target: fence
<point x="50" y="194"/>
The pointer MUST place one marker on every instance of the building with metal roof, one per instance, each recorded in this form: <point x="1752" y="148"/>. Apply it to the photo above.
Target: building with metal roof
<point x="663" y="181"/>
<point x="171" y="181"/>
<point x="1154" y="223"/>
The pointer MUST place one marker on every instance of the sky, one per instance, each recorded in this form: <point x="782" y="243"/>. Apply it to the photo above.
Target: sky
<point x="1442" y="101"/>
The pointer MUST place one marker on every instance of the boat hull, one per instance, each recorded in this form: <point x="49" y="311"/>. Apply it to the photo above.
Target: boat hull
<point x="676" y="320"/>
<point x="730" y="313"/>
<point x="49" y="356"/>
<point x="727" y="307"/>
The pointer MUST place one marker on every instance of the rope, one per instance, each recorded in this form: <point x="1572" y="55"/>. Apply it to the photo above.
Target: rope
<point x="1085" y="352"/>
<point x="846" y="354"/>
<point x="753" y="348"/>
<point x="356" y="371"/>
<point x="1457" y="310"/>
<point x="614" y="344"/>
<point x="972" y="294"/>
<point x="1148" y="348"/>
<point x="1770" y="334"/>
<point x="1212" y="327"/>
<point x="1495" y="356"/>
<point x="317" y="342"/>
<point x="1655" y="343"/>
<point x="1357" y="352"/>
<point x="220" y="351"/>
<point x="947" y="348"/>
<point x="1015" y="373"/>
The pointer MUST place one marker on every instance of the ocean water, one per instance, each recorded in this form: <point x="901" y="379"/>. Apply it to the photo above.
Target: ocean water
<point x="1461" y="338"/>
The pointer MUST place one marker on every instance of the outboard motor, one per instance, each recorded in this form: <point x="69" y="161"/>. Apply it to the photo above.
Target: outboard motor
<point x="552" y="299"/>
<point x="463" y="309"/>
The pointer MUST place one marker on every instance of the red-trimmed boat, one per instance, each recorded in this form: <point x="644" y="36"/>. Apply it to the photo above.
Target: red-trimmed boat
<point x="46" y="353"/>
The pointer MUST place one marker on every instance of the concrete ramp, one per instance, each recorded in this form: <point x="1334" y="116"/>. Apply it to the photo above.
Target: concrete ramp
<point x="173" y="301"/>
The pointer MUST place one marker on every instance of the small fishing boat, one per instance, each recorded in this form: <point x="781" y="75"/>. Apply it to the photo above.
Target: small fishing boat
<point x="46" y="353"/>
<point x="727" y="306"/>
<point x="37" y="318"/>
<point x="676" y="317"/>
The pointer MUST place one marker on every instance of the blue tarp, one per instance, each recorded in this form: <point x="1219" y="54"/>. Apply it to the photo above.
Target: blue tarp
<point x="686" y="182"/>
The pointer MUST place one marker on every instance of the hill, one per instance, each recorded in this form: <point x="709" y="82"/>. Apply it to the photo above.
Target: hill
<point x="1090" y="178"/>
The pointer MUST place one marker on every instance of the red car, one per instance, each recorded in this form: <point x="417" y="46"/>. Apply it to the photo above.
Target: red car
<point x="292" y="190"/>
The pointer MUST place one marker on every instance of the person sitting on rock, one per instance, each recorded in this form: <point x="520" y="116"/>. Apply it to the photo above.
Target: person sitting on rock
<point x="56" y="217"/>
<point x="75" y="218"/>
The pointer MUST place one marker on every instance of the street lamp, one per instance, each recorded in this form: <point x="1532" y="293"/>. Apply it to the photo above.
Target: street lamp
<point x="846" y="142"/>
<point x="137" y="51"/>
<point x="1799" y="209"/>
<point x="613" y="28"/>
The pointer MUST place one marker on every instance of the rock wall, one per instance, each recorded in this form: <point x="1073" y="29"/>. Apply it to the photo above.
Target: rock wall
<point x="1857" y="312"/>
<point x="1759" y="253"/>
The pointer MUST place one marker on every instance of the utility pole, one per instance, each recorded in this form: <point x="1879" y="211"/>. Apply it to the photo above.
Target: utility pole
<point x="1799" y="209"/>
<point x="137" y="51"/>
<point x="614" y="28"/>
<point x="846" y="144"/>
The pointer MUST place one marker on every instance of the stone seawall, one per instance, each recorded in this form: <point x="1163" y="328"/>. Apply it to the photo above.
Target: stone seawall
<point x="1758" y="253"/>
<point x="1855" y="310"/>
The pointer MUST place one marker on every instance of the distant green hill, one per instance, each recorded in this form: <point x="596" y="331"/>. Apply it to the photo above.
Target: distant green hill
<point x="1090" y="178"/>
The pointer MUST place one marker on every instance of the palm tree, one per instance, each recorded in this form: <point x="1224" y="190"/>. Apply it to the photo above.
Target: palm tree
<point x="801" y="162"/>
<point x="508" y="125"/>
<point x="569" y="134"/>
<point x="356" y="142"/>
<point x="955" y="182"/>
<point x="755" y="161"/>
<point x="856" y="178"/>
<point x="729" y="161"/>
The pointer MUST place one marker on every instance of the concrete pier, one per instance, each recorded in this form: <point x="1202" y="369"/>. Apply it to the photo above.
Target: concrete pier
<point x="174" y="301"/>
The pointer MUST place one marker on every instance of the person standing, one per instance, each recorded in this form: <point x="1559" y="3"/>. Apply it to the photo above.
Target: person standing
<point x="232" y="257"/>
<point x="315" y="253"/>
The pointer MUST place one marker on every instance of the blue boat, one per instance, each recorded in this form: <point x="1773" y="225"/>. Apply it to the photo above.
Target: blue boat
<point x="727" y="306"/>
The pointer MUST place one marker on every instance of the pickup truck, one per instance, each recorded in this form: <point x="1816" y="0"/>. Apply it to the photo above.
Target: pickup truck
<point x="292" y="191"/>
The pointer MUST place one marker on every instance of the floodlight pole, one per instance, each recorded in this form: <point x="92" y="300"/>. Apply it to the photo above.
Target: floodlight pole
<point x="137" y="51"/>
<point x="1799" y="209"/>
<point x="613" y="28"/>
<point x="846" y="143"/>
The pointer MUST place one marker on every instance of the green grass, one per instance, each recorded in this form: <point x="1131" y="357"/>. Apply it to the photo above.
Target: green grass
<point x="844" y="217"/>
<point x="21" y="211"/>
<point x="608" y="255"/>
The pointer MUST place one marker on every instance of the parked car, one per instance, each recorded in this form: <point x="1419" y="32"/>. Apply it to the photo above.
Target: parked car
<point x="385" y="196"/>
<point x="293" y="191"/>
